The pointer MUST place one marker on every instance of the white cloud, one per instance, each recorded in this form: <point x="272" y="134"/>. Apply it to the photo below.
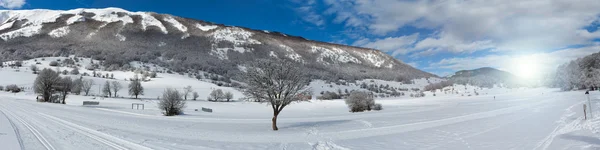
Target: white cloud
<point x="396" y="45"/>
<point x="530" y="25"/>
<point x="452" y="44"/>
<point x="545" y="62"/>
<point x="12" y="4"/>
<point x="308" y="13"/>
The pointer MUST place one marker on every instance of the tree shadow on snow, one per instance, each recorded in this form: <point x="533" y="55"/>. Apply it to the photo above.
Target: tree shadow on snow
<point x="314" y="124"/>
<point x="587" y="139"/>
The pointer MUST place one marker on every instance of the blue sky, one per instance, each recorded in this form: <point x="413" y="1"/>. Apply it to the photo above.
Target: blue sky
<point x="438" y="36"/>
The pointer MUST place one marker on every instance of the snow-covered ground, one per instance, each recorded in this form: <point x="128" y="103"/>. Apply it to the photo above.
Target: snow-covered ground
<point x="496" y="118"/>
<point x="524" y="119"/>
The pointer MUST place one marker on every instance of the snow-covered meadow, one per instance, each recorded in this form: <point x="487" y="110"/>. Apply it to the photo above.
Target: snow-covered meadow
<point x="497" y="118"/>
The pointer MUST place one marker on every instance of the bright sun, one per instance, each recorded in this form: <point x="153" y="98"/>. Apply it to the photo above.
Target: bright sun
<point x="526" y="67"/>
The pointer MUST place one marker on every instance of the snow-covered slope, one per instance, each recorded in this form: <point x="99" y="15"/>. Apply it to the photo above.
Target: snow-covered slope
<point x="162" y="37"/>
<point x="23" y="77"/>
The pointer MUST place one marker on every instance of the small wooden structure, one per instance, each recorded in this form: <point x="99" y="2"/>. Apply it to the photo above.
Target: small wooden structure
<point x="137" y="105"/>
<point x="90" y="103"/>
<point x="206" y="110"/>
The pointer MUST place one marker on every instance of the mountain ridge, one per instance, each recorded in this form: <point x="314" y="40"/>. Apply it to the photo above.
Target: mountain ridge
<point x="485" y="77"/>
<point x="91" y="32"/>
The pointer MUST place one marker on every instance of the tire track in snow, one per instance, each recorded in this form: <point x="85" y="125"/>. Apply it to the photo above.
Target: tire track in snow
<point x="34" y="131"/>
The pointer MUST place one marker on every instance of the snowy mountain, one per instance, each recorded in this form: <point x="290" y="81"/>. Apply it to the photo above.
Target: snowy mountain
<point x="485" y="77"/>
<point x="119" y="36"/>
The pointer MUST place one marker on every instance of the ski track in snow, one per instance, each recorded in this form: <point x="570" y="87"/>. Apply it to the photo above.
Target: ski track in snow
<point x="111" y="141"/>
<point x="41" y="138"/>
<point x="562" y="127"/>
<point x="15" y="130"/>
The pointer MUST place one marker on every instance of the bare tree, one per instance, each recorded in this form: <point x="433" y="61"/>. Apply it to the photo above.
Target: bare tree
<point x="135" y="87"/>
<point x="116" y="86"/>
<point x="277" y="82"/>
<point x="77" y="86"/>
<point x="87" y="86"/>
<point x="186" y="91"/>
<point x="64" y="87"/>
<point x="106" y="90"/>
<point x="216" y="95"/>
<point x="171" y="102"/>
<point x="195" y="95"/>
<point x="228" y="96"/>
<point x="45" y="82"/>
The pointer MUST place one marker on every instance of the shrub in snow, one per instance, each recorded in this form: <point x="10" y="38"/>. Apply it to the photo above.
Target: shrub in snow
<point x="171" y="102"/>
<point x="1" y="88"/>
<point x="34" y="69"/>
<point x="75" y="71"/>
<point x="228" y="96"/>
<point x="377" y="107"/>
<point x="359" y="101"/>
<point x="13" y="88"/>
<point x="113" y="67"/>
<point x="153" y="75"/>
<point x="65" y="72"/>
<point x="53" y="63"/>
<point x="18" y="63"/>
<point x="328" y="96"/>
<point x="195" y="95"/>
<point x="216" y="95"/>
<point x="91" y="67"/>
<point x="69" y="62"/>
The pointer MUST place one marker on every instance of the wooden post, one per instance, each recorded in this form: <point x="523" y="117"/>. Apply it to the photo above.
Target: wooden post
<point x="584" y="112"/>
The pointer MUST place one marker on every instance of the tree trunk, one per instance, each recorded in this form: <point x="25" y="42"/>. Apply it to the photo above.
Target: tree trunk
<point x="64" y="97"/>
<point x="135" y="96"/>
<point x="275" y="123"/>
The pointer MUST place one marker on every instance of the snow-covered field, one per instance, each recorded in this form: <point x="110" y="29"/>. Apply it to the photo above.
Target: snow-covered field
<point x="497" y="118"/>
<point x="524" y="119"/>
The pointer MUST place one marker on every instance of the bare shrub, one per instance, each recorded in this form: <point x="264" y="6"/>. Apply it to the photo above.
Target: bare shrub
<point x="171" y="102"/>
<point x="360" y="101"/>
